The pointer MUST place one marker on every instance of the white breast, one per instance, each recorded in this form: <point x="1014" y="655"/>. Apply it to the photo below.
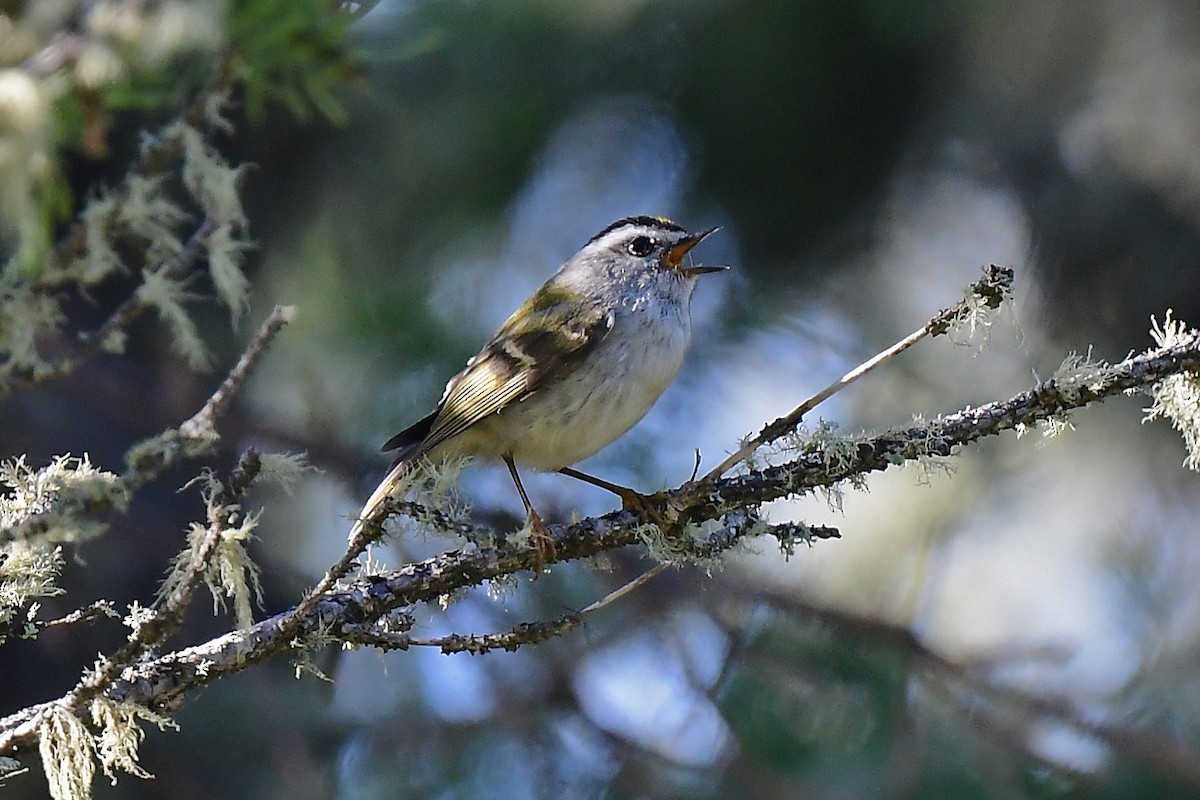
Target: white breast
<point x="603" y="398"/>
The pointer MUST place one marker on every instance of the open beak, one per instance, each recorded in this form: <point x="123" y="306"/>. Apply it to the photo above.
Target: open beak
<point x="673" y="258"/>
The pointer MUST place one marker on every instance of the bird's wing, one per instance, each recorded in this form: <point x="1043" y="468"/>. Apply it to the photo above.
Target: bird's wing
<point x="533" y="348"/>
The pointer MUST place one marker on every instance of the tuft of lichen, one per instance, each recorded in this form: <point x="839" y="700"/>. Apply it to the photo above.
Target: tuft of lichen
<point x="28" y="315"/>
<point x="838" y="452"/>
<point x="1177" y="397"/>
<point x="974" y="323"/>
<point x="150" y="215"/>
<point x="120" y="734"/>
<point x="27" y="572"/>
<point x="58" y="497"/>
<point x="438" y="507"/>
<point x="99" y="259"/>
<point x="1080" y="372"/>
<point x="216" y="555"/>
<point x="167" y="296"/>
<point x="285" y="469"/>
<point x="67" y="750"/>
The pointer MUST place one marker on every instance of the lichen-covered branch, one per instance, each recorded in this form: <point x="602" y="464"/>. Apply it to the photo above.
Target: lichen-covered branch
<point x="142" y="213"/>
<point x="198" y="434"/>
<point x="706" y="516"/>
<point x="151" y="626"/>
<point x="31" y="626"/>
<point x="74" y="489"/>
<point x="992" y="289"/>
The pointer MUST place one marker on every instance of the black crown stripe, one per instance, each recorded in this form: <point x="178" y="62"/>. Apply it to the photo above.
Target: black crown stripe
<point x="646" y="221"/>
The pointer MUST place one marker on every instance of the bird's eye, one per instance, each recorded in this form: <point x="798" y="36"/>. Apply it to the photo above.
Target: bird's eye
<point x="640" y="246"/>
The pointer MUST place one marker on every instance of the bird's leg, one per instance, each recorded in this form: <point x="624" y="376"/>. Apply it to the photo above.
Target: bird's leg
<point x="539" y="534"/>
<point x="638" y="503"/>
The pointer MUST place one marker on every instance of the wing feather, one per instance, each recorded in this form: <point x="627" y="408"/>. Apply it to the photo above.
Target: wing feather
<point x="531" y="350"/>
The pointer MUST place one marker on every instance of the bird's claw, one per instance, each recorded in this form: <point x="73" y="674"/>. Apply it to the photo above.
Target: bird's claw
<point x="541" y="541"/>
<point x="645" y="506"/>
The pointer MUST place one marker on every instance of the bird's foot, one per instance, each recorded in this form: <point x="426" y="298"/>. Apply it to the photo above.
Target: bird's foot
<point x="541" y="541"/>
<point x="644" y="505"/>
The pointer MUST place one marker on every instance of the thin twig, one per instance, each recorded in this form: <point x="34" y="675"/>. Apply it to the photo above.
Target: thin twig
<point x="620" y="592"/>
<point x="146" y="460"/>
<point x="19" y="626"/>
<point x="203" y="422"/>
<point x="991" y="290"/>
<point x="523" y="635"/>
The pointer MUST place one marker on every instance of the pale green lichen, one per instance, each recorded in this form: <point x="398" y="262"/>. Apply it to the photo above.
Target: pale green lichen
<point x="321" y="637"/>
<point x="444" y="601"/>
<point x="284" y="469"/>
<point x="1079" y="372"/>
<point x="114" y="341"/>
<point x="838" y="451"/>
<point x="120" y="735"/>
<point x="1177" y="397"/>
<point x="67" y="750"/>
<point x="27" y="571"/>
<point x="1076" y="374"/>
<point x="501" y="587"/>
<point x="209" y="178"/>
<point x="228" y="571"/>
<point x="789" y="534"/>
<point x="56" y="500"/>
<point x="215" y="106"/>
<point x="214" y="184"/>
<point x="974" y="324"/>
<point x="167" y="296"/>
<point x="100" y="258"/>
<point x="931" y="466"/>
<point x="225" y="250"/>
<point x="928" y="438"/>
<point x="59" y="495"/>
<point x="233" y="575"/>
<point x="685" y="547"/>
<point x="148" y="213"/>
<point x="27" y="316"/>
<point x="976" y="313"/>
<point x="434" y="489"/>
<point x="1056" y="424"/>
<point x="138" y="616"/>
<point x="838" y="454"/>
<point x="439" y="487"/>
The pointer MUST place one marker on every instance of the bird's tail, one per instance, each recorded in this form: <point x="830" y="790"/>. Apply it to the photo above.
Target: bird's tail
<point x="398" y="476"/>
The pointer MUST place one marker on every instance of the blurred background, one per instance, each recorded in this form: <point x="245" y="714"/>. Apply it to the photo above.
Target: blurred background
<point x="973" y="634"/>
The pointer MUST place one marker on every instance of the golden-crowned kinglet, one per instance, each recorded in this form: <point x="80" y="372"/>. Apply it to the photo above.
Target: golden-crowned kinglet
<point x="572" y="369"/>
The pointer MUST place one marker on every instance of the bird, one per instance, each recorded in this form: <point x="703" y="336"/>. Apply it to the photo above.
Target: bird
<point x="571" y="370"/>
